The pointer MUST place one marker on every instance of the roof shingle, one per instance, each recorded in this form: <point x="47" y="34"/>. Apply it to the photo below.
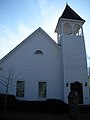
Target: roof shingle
<point x="70" y="14"/>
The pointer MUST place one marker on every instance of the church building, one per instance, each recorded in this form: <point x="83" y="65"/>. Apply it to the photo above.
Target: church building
<point x="40" y="69"/>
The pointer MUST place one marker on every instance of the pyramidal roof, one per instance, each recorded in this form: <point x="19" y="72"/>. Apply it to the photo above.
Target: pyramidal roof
<point x="70" y="14"/>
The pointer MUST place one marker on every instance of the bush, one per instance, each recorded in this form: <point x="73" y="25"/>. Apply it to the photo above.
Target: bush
<point x="9" y="103"/>
<point x="56" y="106"/>
<point x="84" y="109"/>
<point x="50" y="105"/>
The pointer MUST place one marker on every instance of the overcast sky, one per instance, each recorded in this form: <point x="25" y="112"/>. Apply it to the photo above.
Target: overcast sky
<point x="19" y="18"/>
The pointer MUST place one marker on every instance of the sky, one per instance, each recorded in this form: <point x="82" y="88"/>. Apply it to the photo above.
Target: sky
<point x="19" y="18"/>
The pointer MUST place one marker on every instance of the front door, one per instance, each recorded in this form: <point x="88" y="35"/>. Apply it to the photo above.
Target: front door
<point x="76" y="86"/>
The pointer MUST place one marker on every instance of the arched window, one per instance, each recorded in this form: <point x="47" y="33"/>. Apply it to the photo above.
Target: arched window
<point x="67" y="29"/>
<point x="76" y="29"/>
<point x="38" y="52"/>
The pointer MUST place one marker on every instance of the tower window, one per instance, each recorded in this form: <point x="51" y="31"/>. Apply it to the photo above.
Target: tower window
<point x="78" y="30"/>
<point x="38" y="52"/>
<point x="67" y="29"/>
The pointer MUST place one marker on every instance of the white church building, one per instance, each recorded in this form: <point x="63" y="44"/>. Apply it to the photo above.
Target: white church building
<point x="39" y="68"/>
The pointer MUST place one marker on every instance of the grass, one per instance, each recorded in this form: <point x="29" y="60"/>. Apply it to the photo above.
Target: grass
<point x="31" y="116"/>
<point x="50" y="109"/>
<point x="38" y="116"/>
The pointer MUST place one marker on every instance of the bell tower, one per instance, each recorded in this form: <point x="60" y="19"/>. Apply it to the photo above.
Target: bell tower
<point x="70" y="37"/>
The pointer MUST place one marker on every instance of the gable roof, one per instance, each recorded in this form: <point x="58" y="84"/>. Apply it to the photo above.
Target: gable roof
<point x="26" y="40"/>
<point x="69" y="13"/>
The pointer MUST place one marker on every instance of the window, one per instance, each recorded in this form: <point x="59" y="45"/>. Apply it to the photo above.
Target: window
<point x="67" y="29"/>
<point x="20" y="88"/>
<point x="42" y="89"/>
<point x="38" y="52"/>
<point x="76" y="29"/>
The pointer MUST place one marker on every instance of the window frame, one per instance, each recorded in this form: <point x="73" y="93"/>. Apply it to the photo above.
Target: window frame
<point x="38" y="52"/>
<point x="42" y="89"/>
<point x="20" y="89"/>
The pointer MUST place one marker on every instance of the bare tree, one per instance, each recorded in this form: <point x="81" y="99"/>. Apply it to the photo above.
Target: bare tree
<point x="8" y="80"/>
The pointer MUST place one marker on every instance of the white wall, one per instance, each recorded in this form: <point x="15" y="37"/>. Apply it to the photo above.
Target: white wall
<point x="35" y="68"/>
<point x="74" y="63"/>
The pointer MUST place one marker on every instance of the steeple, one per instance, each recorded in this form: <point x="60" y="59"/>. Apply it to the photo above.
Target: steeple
<point x="70" y="23"/>
<point x="70" y="14"/>
<point x="70" y="37"/>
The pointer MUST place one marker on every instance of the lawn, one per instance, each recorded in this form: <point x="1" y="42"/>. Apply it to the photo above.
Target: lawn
<point x="38" y="116"/>
<point x="31" y="116"/>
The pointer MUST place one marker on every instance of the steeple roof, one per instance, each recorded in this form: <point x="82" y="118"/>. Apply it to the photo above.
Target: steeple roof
<point x="70" y="14"/>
